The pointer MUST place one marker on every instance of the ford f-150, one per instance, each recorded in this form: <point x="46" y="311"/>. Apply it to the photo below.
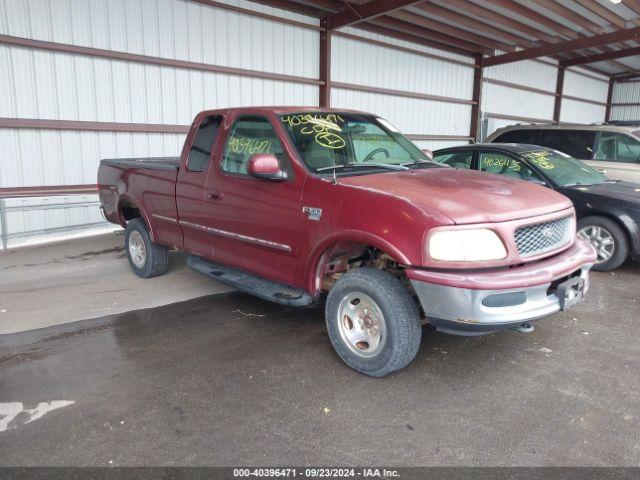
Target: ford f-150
<point x="302" y="205"/>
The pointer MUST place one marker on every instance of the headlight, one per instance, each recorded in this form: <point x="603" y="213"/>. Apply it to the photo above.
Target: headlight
<point x="466" y="245"/>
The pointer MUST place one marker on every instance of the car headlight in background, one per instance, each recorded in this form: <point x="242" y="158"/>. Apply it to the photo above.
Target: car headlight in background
<point x="466" y="245"/>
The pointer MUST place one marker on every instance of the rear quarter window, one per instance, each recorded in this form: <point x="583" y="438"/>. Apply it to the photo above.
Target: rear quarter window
<point x="200" y="151"/>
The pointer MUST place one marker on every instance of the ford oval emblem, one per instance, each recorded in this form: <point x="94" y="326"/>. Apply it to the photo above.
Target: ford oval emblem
<point x="547" y="232"/>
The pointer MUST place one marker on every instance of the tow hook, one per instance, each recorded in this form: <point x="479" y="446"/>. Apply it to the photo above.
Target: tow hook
<point x="524" y="328"/>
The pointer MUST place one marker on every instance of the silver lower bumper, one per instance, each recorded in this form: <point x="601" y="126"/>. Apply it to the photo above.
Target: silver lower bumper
<point x="463" y="311"/>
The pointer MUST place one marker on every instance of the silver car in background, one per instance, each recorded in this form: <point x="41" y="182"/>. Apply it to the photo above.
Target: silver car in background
<point x="612" y="149"/>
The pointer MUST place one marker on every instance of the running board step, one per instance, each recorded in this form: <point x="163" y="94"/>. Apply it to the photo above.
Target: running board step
<point x="252" y="284"/>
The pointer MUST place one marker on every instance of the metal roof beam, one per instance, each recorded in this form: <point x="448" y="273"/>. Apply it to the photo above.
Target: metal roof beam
<point x="601" y="57"/>
<point x="430" y="34"/>
<point x="627" y="76"/>
<point x="368" y="11"/>
<point x="408" y="37"/>
<point x="453" y="31"/>
<point x="603" y="12"/>
<point x="571" y="16"/>
<point x="563" y="47"/>
<point x="472" y="22"/>
<point x="529" y="14"/>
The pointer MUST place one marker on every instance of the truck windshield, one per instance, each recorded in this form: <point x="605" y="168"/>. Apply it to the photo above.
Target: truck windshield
<point x="564" y="170"/>
<point x="350" y="142"/>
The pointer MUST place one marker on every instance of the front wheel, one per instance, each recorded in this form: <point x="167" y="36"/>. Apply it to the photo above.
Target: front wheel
<point x="609" y="240"/>
<point x="373" y="322"/>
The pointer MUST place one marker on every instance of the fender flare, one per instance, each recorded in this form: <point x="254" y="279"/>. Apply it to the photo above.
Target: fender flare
<point x="128" y="199"/>
<point x="347" y="236"/>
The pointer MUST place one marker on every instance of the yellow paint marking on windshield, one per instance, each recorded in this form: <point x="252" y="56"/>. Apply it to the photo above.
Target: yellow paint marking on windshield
<point x="540" y="158"/>
<point x="330" y="140"/>
<point x="319" y="126"/>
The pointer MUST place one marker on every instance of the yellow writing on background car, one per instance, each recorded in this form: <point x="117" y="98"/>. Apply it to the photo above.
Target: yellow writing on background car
<point x="540" y="158"/>
<point x="501" y="162"/>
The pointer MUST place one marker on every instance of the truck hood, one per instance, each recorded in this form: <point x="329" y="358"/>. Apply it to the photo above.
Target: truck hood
<point x="465" y="196"/>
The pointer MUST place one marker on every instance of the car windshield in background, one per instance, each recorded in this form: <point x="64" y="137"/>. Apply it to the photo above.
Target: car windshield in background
<point x="349" y="142"/>
<point x="563" y="169"/>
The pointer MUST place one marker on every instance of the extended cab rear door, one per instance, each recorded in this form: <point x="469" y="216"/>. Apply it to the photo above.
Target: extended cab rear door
<point x="256" y="221"/>
<point x="194" y="201"/>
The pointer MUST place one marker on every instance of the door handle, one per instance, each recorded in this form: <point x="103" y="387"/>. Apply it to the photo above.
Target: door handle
<point x="602" y="170"/>
<point x="214" y="194"/>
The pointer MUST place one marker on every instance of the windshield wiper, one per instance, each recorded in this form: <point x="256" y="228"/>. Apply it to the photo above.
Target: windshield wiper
<point x="416" y="162"/>
<point x="356" y="164"/>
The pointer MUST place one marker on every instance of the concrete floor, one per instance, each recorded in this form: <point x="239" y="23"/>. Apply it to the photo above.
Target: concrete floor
<point x="229" y="379"/>
<point x="85" y="278"/>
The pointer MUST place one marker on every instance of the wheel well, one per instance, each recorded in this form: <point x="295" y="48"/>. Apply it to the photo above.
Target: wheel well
<point x="341" y="257"/>
<point x="129" y="211"/>
<point x="617" y="221"/>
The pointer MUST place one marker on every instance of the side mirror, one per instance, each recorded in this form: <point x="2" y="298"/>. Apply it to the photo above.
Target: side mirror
<point x="428" y="153"/>
<point x="265" y="167"/>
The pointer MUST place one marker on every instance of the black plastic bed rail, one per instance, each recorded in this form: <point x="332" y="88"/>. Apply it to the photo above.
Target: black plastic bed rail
<point x="154" y="163"/>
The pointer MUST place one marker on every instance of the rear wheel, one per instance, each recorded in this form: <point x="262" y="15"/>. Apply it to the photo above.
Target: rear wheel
<point x="609" y="240"/>
<point x="373" y="322"/>
<point x="146" y="258"/>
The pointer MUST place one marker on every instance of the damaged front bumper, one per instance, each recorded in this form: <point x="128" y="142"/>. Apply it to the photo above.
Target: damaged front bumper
<point x="479" y="303"/>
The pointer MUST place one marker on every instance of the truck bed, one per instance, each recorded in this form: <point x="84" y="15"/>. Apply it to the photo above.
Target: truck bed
<point x="144" y="184"/>
<point x="154" y="163"/>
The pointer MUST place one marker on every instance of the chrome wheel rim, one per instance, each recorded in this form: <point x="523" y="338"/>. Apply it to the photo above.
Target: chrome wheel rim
<point x="137" y="250"/>
<point x="601" y="239"/>
<point x="361" y="324"/>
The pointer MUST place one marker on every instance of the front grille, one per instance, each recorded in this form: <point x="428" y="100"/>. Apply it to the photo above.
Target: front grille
<point x="543" y="237"/>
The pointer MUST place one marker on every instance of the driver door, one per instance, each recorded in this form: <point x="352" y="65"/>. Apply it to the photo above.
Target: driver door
<point x="255" y="221"/>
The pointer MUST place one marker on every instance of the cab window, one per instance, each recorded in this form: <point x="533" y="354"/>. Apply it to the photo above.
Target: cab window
<point x="457" y="159"/>
<point x="200" y="152"/>
<point x="249" y="136"/>
<point x="501" y="164"/>
<point x="618" y="147"/>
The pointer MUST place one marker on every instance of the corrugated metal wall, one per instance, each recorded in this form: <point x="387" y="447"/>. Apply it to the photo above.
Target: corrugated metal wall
<point x="424" y="92"/>
<point x="43" y="84"/>
<point x="64" y="86"/>
<point x="626" y="92"/>
<point x="359" y="63"/>
<point x="499" y="101"/>
<point x="576" y="85"/>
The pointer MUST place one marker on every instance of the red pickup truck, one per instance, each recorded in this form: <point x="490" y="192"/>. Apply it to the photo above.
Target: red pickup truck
<point x="299" y="205"/>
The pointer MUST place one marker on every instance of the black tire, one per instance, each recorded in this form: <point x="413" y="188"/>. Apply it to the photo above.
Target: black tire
<point x="621" y="242"/>
<point x="156" y="261"/>
<point x="401" y="320"/>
